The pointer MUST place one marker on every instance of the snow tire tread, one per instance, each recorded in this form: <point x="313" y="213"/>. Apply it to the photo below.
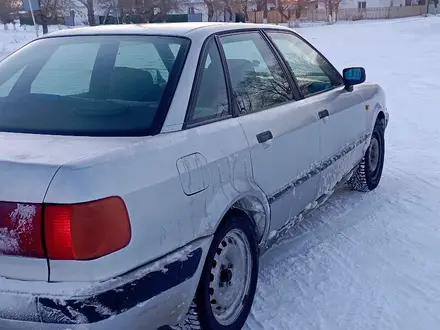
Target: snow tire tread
<point x="359" y="180"/>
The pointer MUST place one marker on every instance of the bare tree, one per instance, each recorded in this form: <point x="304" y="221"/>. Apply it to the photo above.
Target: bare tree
<point x="213" y="7"/>
<point x="90" y="6"/>
<point x="149" y="10"/>
<point x="336" y="4"/>
<point x="261" y="4"/>
<point x="50" y="11"/>
<point x="108" y="7"/>
<point x="164" y="7"/>
<point x="6" y="9"/>
<point x="331" y="10"/>
<point x="241" y="7"/>
<point x="285" y="8"/>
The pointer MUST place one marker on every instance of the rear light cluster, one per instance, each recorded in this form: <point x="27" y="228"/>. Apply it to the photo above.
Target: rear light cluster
<point x="64" y="232"/>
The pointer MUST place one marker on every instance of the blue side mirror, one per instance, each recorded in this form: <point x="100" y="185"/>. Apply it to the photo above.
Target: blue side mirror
<point x="353" y="76"/>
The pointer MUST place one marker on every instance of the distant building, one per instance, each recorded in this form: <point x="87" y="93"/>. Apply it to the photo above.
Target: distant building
<point x="364" y="4"/>
<point x="220" y="15"/>
<point x="196" y="10"/>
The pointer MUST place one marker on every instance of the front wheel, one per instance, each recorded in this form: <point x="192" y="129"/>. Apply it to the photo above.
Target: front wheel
<point x="228" y="283"/>
<point x="369" y="172"/>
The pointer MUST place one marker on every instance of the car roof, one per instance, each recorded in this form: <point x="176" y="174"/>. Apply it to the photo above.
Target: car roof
<point x="191" y="30"/>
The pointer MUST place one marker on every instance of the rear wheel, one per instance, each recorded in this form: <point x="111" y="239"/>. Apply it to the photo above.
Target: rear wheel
<point x="369" y="172"/>
<point x="228" y="283"/>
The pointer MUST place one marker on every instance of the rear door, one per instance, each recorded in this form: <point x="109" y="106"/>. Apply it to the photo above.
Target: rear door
<point x="282" y="132"/>
<point x="341" y="113"/>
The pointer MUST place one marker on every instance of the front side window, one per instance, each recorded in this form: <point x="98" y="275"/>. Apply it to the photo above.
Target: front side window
<point x="313" y="72"/>
<point x="212" y="98"/>
<point x="91" y="86"/>
<point x="257" y="79"/>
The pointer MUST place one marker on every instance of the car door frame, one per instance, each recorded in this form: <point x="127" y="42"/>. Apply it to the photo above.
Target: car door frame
<point x="195" y="88"/>
<point x="293" y="83"/>
<point x="326" y="162"/>
<point x="289" y="185"/>
<point x="284" y="66"/>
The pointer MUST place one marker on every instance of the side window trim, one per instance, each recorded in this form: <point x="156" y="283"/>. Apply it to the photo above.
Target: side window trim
<point x="280" y="60"/>
<point x="233" y="106"/>
<point x="297" y="95"/>
<point x="291" y="71"/>
<point x="170" y="90"/>
<point x="196" y="87"/>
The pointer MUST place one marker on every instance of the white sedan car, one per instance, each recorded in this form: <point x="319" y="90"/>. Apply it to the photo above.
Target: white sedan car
<point x="144" y="169"/>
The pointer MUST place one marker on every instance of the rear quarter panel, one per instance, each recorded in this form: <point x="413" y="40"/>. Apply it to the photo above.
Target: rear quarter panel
<point x="163" y="218"/>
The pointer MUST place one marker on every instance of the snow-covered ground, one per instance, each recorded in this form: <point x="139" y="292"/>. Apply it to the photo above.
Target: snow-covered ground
<point x="371" y="261"/>
<point x="11" y="40"/>
<point x="365" y="261"/>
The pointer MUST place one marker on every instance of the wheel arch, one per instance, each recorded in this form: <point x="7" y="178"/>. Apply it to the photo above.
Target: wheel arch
<point x="254" y="205"/>
<point x="380" y="116"/>
<point x="254" y="210"/>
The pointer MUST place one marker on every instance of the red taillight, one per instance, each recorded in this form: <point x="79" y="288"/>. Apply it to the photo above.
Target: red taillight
<point x="21" y="230"/>
<point x="86" y="231"/>
<point x="71" y="232"/>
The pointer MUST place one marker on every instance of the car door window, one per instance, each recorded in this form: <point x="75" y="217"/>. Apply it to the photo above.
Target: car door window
<point x="212" y="97"/>
<point x="313" y="72"/>
<point x="257" y="78"/>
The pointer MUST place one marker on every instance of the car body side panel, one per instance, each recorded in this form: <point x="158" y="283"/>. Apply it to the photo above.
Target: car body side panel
<point x="374" y="97"/>
<point x="148" y="296"/>
<point x="163" y="217"/>
<point x="281" y="163"/>
<point x="25" y="269"/>
<point x="342" y="134"/>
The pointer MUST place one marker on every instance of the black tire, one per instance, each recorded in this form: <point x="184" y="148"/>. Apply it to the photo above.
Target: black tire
<point x="201" y="315"/>
<point x="367" y="178"/>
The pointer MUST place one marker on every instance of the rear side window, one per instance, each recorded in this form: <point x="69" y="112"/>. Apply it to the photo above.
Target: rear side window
<point x="212" y="98"/>
<point x="91" y="86"/>
<point x="257" y="79"/>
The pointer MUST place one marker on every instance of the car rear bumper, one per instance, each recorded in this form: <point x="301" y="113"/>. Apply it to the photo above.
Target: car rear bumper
<point x="147" y="298"/>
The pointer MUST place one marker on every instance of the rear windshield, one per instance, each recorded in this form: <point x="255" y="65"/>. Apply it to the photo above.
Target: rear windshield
<point x="90" y="85"/>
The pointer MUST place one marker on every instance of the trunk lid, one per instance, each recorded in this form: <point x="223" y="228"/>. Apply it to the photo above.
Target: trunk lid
<point x="28" y="162"/>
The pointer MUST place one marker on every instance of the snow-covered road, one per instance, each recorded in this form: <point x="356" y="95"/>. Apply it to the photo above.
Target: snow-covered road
<point x="371" y="261"/>
<point x="366" y="261"/>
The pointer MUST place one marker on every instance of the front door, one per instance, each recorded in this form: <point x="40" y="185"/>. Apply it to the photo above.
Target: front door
<point x="341" y="113"/>
<point x="342" y="136"/>
<point x="282" y="133"/>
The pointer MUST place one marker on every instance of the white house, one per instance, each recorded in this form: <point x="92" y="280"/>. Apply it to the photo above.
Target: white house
<point x="362" y="4"/>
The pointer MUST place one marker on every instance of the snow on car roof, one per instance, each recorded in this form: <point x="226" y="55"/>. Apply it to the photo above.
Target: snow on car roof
<point x="170" y="29"/>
